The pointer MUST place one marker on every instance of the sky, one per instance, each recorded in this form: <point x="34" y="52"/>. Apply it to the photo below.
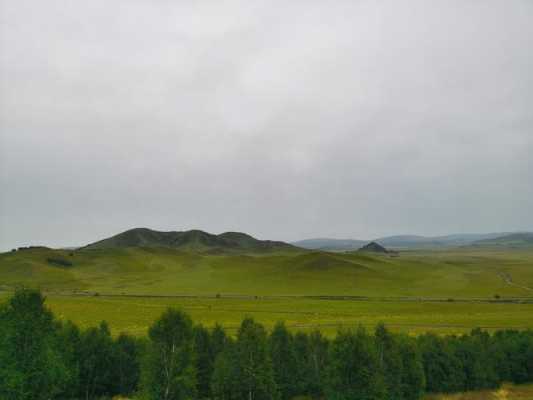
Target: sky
<point x="283" y="119"/>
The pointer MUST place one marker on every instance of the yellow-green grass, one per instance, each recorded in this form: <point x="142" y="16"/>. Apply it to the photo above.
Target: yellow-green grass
<point x="506" y="392"/>
<point x="462" y="273"/>
<point x="135" y="314"/>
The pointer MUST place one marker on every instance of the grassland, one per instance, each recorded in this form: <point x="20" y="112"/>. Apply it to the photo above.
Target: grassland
<point x="134" y="315"/>
<point x="462" y="273"/>
<point x="445" y="291"/>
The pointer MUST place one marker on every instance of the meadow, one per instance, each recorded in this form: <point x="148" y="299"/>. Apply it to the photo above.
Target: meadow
<point x="134" y="314"/>
<point x="448" y="291"/>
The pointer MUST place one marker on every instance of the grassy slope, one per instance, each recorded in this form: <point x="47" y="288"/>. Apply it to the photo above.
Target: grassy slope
<point x="460" y="273"/>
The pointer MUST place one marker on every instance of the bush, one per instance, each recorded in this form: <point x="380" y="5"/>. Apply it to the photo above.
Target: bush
<point x="59" y="261"/>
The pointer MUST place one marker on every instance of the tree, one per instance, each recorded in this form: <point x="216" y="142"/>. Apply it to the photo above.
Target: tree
<point x="478" y="365"/>
<point x="69" y="337"/>
<point x="255" y="365"/>
<point x="224" y="381"/>
<point x="96" y="362"/>
<point x="283" y="357"/>
<point x="169" y="372"/>
<point x="318" y="357"/>
<point x="218" y="340"/>
<point x="303" y="371"/>
<point x="413" y="380"/>
<point x="204" y="361"/>
<point x="126" y="356"/>
<point x="390" y="362"/>
<point x="512" y="351"/>
<point x="243" y="371"/>
<point x="31" y="363"/>
<point x="354" y="371"/>
<point x="442" y="368"/>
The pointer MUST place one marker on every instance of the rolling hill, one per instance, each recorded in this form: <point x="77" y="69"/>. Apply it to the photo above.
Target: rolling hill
<point x="148" y="262"/>
<point x="512" y="240"/>
<point x="169" y="271"/>
<point x="194" y="240"/>
<point x="330" y="244"/>
<point x="398" y="242"/>
<point x="418" y="242"/>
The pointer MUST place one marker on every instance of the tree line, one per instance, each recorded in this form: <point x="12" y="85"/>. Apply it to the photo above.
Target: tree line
<point x="44" y="358"/>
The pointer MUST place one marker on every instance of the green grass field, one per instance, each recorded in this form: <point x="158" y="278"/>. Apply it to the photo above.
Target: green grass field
<point x="468" y="273"/>
<point x="408" y="292"/>
<point x="134" y="315"/>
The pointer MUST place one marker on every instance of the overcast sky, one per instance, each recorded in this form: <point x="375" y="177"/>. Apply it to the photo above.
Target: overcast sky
<point x="283" y="119"/>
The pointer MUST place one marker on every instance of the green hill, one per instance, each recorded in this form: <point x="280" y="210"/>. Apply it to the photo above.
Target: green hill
<point x="330" y="244"/>
<point x="154" y="270"/>
<point x="195" y="240"/>
<point x="399" y="242"/>
<point x="512" y="240"/>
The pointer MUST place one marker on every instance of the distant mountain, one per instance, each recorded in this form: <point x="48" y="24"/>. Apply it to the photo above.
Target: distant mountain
<point x="400" y="241"/>
<point x="413" y="241"/>
<point x="330" y="244"/>
<point x="513" y="240"/>
<point x="374" y="247"/>
<point x="188" y="240"/>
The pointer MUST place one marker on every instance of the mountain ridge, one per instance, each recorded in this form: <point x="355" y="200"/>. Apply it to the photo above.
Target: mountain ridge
<point x="401" y="241"/>
<point x="194" y="239"/>
<point x="522" y="239"/>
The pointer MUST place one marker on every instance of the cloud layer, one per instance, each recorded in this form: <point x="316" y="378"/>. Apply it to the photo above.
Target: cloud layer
<point x="283" y="119"/>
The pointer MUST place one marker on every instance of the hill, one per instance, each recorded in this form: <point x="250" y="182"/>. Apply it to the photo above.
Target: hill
<point x="399" y="241"/>
<point x="512" y="240"/>
<point x="330" y="244"/>
<point x="165" y="270"/>
<point x="374" y="247"/>
<point x="194" y="240"/>
<point x="419" y="242"/>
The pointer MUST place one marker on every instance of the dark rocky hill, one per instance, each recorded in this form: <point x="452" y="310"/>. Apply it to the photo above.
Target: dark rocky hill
<point x="188" y="240"/>
<point x="374" y="248"/>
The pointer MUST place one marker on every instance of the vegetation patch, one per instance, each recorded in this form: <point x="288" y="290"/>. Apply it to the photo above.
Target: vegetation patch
<point x="42" y="358"/>
<point x="61" y="262"/>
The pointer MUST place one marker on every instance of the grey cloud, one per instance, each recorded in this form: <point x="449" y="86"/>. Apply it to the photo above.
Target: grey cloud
<point x="283" y="119"/>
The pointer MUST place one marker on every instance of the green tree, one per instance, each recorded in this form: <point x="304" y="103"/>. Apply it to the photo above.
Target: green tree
<point x="126" y="356"/>
<point x="243" y="371"/>
<point x="169" y="372"/>
<point x="69" y="338"/>
<point x="225" y="379"/>
<point x="218" y="340"/>
<point x="442" y="368"/>
<point x="413" y="380"/>
<point x="283" y="357"/>
<point x="255" y="365"/>
<point x="31" y="363"/>
<point x="390" y="362"/>
<point x="318" y="357"/>
<point x="204" y="361"/>
<point x="96" y="362"/>
<point x="478" y="364"/>
<point x="303" y="372"/>
<point x="354" y="371"/>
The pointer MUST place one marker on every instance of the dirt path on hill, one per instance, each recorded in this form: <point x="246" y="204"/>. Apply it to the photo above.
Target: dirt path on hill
<point x="508" y="279"/>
